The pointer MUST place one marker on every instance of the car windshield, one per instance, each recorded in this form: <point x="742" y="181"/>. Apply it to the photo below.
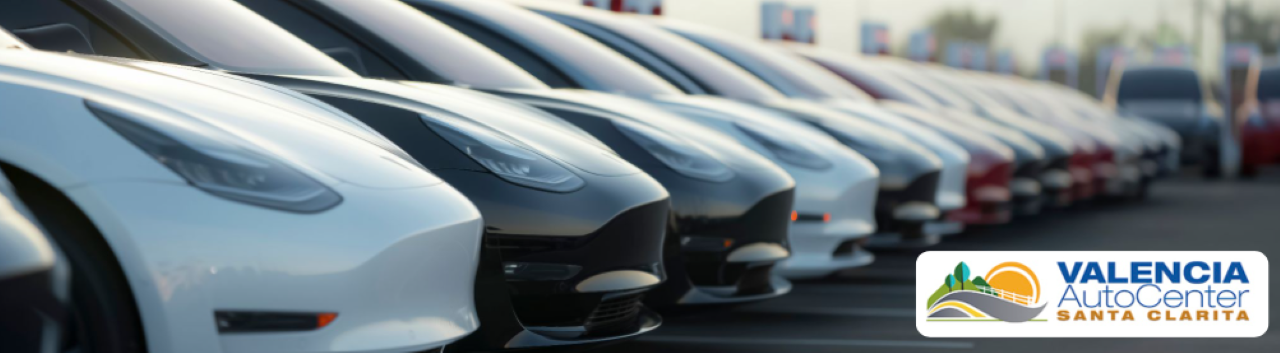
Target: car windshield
<point x="710" y="71"/>
<point x="8" y="41"/>
<point x="933" y="89"/>
<point x="1269" y="84"/>
<point x="447" y="52"/>
<point x="793" y="76"/>
<point x="873" y="79"/>
<point x="602" y="68"/>
<point x="228" y="36"/>
<point x="1159" y="84"/>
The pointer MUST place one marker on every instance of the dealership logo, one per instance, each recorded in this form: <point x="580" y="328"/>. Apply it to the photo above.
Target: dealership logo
<point x="1092" y="294"/>
<point x="1009" y="292"/>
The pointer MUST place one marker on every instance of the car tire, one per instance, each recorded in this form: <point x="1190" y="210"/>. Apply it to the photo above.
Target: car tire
<point x="104" y="315"/>
<point x="1248" y="171"/>
<point x="1211" y="163"/>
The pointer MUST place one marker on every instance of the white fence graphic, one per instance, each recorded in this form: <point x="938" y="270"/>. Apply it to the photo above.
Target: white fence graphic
<point x="1007" y="295"/>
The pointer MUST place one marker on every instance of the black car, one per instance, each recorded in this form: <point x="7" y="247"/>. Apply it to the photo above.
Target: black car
<point x="574" y="234"/>
<point x="729" y="205"/>
<point x="1176" y="97"/>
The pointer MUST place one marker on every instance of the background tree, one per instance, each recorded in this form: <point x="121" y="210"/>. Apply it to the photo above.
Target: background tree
<point x="1244" y="24"/>
<point x="978" y="282"/>
<point x="1093" y="42"/>
<point x="950" y="282"/>
<point x="962" y="273"/>
<point x="1164" y="34"/>
<point x="961" y="24"/>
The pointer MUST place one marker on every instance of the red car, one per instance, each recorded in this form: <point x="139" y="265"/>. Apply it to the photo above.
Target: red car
<point x="1260" y="133"/>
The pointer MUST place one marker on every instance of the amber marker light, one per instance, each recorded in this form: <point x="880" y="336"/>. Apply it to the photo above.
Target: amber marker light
<point x="266" y="321"/>
<point x="795" y="216"/>
<point x="324" y="319"/>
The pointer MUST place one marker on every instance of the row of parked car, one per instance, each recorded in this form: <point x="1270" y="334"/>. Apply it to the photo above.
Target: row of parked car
<point x="387" y="175"/>
<point x="1241" y="140"/>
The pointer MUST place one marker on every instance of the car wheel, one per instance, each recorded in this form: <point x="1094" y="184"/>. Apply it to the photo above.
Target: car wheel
<point x="1211" y="164"/>
<point x="1248" y="171"/>
<point x="104" y="315"/>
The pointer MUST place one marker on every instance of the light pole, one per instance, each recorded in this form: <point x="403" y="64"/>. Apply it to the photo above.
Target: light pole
<point x="1061" y="19"/>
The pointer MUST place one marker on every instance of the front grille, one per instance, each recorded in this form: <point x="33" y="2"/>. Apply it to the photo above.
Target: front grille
<point x="756" y="281"/>
<point x="1030" y="169"/>
<point x="614" y="313"/>
<point x="1062" y="163"/>
<point x="845" y="249"/>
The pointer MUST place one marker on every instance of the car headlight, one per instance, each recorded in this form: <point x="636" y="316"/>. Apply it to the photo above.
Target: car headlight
<point x="218" y="163"/>
<point x="511" y="162"/>
<point x="784" y="148"/>
<point x="677" y="154"/>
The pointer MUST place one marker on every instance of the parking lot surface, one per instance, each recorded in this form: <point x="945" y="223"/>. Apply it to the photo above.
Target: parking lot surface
<point x="870" y="309"/>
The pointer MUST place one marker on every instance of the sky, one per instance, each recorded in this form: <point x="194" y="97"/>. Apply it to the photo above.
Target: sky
<point x="1026" y="26"/>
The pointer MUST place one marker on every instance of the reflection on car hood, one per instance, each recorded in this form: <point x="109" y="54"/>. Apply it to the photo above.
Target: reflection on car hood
<point x="1025" y="149"/>
<point x="546" y="134"/>
<point x="294" y="130"/>
<point x="720" y="146"/>
<point x="971" y="141"/>
<point x="736" y="112"/>
<point x="904" y="158"/>
<point x="1056" y="143"/>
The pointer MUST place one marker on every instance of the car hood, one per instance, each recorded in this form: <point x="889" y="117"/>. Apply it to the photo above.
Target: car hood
<point x="543" y="133"/>
<point x="306" y="134"/>
<point x="1167" y="136"/>
<point x="908" y="154"/>
<point x="715" y="143"/>
<point x="1056" y="144"/>
<point x="899" y="159"/>
<point x="1101" y="132"/>
<point x="1024" y="148"/>
<point x="972" y="141"/>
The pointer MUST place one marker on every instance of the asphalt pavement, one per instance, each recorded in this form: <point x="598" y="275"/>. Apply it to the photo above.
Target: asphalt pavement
<point x="871" y="309"/>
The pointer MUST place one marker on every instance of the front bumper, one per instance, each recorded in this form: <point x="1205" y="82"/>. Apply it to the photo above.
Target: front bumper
<point x="990" y="198"/>
<point x="730" y="261"/>
<point x="903" y="215"/>
<point x="1120" y="179"/>
<point x="400" y="283"/>
<point x="537" y="291"/>
<point x="1027" y="189"/>
<point x="1082" y="179"/>
<point x="1056" y="183"/>
<point x="817" y="242"/>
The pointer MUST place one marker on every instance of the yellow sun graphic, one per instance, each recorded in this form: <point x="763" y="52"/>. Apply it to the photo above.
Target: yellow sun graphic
<point x="1015" y="282"/>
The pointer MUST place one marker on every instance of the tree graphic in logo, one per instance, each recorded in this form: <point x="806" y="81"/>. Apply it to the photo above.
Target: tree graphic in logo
<point x="1008" y="293"/>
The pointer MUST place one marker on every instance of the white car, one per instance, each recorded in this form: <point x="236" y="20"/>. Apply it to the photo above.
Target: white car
<point x="197" y="219"/>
